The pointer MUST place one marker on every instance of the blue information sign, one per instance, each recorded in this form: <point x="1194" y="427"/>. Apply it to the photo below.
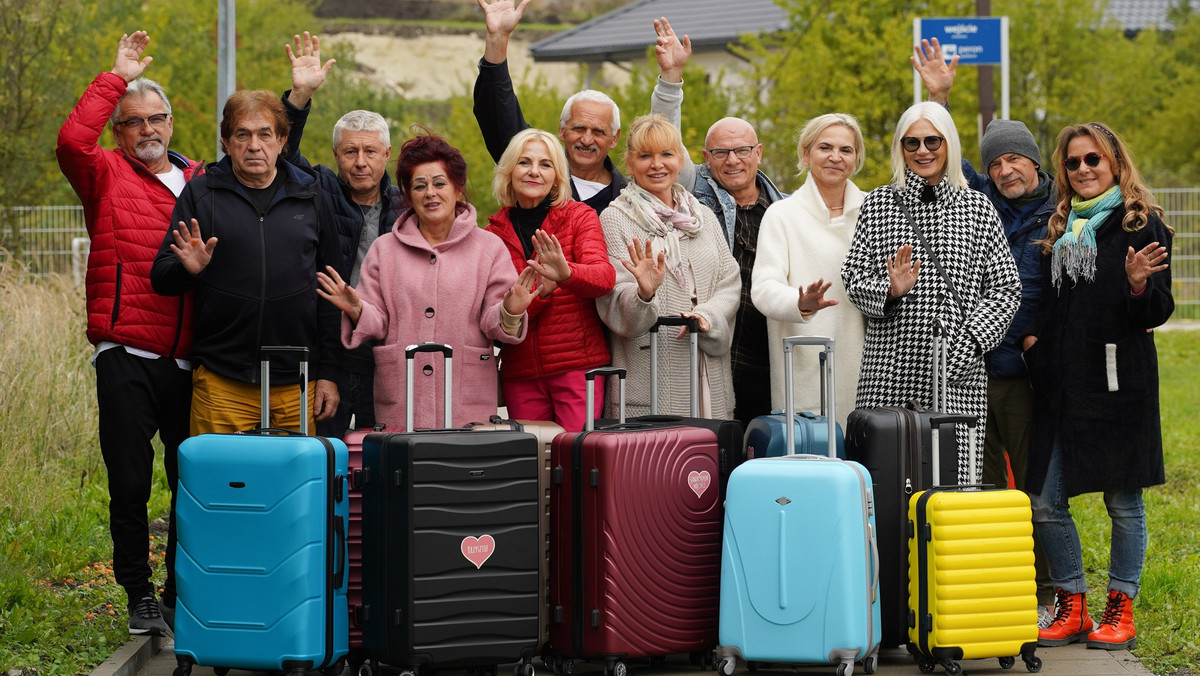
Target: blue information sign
<point x="975" y="40"/>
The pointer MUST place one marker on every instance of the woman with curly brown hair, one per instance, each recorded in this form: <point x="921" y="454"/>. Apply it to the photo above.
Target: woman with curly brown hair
<point x="1094" y="371"/>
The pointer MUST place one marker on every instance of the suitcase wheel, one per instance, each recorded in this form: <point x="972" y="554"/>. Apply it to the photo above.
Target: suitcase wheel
<point x="183" y="667"/>
<point x="925" y="664"/>
<point x="220" y="671"/>
<point x="616" y="668"/>
<point x="1007" y="662"/>
<point x="845" y="669"/>
<point x="952" y="668"/>
<point x="726" y="666"/>
<point x="1033" y="663"/>
<point x="524" y="668"/>
<point x="870" y="663"/>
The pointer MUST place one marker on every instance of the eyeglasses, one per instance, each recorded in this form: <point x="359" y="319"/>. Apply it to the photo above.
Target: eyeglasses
<point x="155" y="120"/>
<point x="742" y="152"/>
<point x="912" y="143"/>
<point x="1072" y="163"/>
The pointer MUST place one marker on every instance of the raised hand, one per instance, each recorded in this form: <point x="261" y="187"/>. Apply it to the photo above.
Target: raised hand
<point x="1139" y="265"/>
<point x="813" y="298"/>
<point x="502" y="16"/>
<point x="902" y="271"/>
<point x="937" y="75"/>
<point x="191" y="250"/>
<point x="334" y="289"/>
<point x="548" y="259"/>
<point x="648" y="270"/>
<point x="308" y="73"/>
<point x="129" y="62"/>
<point x="672" y="54"/>
<point x="518" y="298"/>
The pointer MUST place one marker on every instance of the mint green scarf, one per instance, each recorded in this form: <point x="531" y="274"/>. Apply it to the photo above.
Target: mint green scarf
<point x="1075" y="252"/>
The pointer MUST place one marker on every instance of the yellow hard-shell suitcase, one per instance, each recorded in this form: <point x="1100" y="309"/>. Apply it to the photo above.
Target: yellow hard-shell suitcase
<point x="971" y="581"/>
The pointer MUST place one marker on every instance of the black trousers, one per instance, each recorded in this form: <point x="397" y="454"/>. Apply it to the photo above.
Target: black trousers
<point x="138" y="397"/>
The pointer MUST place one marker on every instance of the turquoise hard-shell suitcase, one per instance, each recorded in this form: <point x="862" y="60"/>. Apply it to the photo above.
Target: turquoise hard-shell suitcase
<point x="261" y="556"/>
<point x="799" y="566"/>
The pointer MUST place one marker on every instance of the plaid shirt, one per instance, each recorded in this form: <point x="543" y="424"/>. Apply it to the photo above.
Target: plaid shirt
<point x="749" y="355"/>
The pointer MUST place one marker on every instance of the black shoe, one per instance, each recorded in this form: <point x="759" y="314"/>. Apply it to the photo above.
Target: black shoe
<point x="168" y="614"/>
<point x="145" y="618"/>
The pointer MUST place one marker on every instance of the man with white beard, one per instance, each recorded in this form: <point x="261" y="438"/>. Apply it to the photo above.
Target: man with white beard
<point x="143" y="383"/>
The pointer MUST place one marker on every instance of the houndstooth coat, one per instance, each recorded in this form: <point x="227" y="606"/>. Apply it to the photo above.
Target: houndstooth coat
<point x="964" y="230"/>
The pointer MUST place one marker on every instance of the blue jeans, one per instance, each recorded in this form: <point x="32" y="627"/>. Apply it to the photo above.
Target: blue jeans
<point x="1058" y="535"/>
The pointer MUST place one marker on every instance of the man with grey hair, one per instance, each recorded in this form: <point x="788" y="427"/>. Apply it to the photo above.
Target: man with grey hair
<point x="731" y="184"/>
<point x="143" y="383"/>
<point x="363" y="199"/>
<point x="590" y="124"/>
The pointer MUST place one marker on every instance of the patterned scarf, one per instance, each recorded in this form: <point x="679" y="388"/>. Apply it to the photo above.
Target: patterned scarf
<point x="1075" y="252"/>
<point x="665" y="224"/>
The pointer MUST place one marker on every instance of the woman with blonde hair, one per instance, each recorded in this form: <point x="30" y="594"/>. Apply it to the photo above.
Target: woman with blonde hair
<point x="559" y="239"/>
<point x="1094" y="370"/>
<point x="797" y="283"/>
<point x="928" y="249"/>
<point x="671" y="259"/>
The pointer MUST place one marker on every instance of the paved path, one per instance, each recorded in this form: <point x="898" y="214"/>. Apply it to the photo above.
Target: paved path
<point x="1076" y="660"/>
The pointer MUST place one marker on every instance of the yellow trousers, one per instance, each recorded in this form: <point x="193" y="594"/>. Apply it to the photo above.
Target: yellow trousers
<point x="223" y="405"/>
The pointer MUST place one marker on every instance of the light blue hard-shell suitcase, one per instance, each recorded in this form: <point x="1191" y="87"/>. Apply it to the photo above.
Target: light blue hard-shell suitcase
<point x="765" y="435"/>
<point x="261" y="555"/>
<point x="799" y="566"/>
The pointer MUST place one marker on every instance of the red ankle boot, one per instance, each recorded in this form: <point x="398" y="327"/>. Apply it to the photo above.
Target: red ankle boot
<point x="1116" y="631"/>
<point x="1071" y="624"/>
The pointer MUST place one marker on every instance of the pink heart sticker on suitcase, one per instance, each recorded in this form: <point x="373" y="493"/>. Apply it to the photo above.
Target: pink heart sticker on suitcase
<point x="477" y="550"/>
<point x="699" y="482"/>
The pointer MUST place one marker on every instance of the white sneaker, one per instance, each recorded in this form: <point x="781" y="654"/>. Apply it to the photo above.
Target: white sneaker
<point x="1045" y="617"/>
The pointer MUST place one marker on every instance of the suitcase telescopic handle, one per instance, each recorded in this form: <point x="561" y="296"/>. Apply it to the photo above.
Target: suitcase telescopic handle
<point x="590" y="377"/>
<point x="693" y="327"/>
<point x="264" y="375"/>
<point x="935" y="424"/>
<point x="410" y="354"/>
<point x="827" y="389"/>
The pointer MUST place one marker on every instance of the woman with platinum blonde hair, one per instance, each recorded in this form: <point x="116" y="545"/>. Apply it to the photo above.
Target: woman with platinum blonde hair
<point x="671" y="259"/>
<point x="928" y="249"/>
<point x="797" y="280"/>
<point x="560" y="239"/>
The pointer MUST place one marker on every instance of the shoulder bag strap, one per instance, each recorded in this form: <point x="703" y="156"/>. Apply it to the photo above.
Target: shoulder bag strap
<point x="933" y="257"/>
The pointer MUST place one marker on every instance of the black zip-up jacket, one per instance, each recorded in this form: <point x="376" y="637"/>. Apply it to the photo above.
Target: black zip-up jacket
<point x="260" y="286"/>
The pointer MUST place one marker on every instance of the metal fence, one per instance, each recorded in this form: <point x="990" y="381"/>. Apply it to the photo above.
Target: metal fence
<point x="53" y="240"/>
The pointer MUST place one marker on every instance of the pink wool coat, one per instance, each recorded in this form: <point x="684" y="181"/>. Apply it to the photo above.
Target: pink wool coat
<point x="450" y="293"/>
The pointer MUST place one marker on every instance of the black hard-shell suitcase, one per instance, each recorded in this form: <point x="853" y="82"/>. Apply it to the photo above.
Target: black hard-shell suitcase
<point x="451" y="551"/>
<point x="895" y="444"/>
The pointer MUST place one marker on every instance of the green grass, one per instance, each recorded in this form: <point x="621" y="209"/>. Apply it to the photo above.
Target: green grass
<point x="55" y="554"/>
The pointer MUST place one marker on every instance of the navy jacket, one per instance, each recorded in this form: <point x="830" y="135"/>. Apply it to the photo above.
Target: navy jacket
<point x="1022" y="228"/>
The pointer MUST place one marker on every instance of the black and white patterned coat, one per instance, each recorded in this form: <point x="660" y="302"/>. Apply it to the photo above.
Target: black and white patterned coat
<point x="897" y="362"/>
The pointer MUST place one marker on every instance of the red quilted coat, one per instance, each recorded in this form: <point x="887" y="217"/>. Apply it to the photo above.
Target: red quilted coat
<point x="127" y="211"/>
<point x="565" y="333"/>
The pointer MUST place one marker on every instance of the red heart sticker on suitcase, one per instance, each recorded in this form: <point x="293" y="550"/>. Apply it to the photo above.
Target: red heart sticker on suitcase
<point x="477" y="550"/>
<point x="699" y="482"/>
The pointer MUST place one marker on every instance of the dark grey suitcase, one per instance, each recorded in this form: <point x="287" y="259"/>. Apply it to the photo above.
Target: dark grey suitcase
<point x="451" y="546"/>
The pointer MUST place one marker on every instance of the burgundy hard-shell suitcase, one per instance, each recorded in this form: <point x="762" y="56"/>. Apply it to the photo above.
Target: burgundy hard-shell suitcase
<point x="636" y="548"/>
<point x="354" y="542"/>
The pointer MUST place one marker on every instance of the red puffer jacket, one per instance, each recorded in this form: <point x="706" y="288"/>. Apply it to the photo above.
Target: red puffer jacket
<point x="565" y="333"/>
<point x="127" y="211"/>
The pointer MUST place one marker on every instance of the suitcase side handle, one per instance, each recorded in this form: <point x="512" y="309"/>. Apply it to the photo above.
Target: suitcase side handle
<point x="264" y="376"/>
<point x="693" y="327"/>
<point x="935" y="424"/>
<point x="410" y="353"/>
<point x="590" y="377"/>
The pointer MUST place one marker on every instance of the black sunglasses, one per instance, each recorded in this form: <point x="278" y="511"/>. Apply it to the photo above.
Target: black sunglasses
<point x="912" y="143"/>
<point x="1072" y="162"/>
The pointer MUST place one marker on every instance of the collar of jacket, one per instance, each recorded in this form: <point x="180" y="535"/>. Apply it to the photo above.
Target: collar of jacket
<point x="713" y="195"/>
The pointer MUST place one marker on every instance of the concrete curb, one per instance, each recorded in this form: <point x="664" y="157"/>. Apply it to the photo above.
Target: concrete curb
<point x="131" y="657"/>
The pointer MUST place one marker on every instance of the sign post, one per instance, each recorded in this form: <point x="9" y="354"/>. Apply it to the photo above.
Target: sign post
<point x="975" y="40"/>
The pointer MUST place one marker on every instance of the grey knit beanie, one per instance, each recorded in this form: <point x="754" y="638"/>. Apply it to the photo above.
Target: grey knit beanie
<point x="1008" y="136"/>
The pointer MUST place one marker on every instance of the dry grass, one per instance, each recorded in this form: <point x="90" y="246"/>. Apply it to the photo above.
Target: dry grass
<point x="47" y="393"/>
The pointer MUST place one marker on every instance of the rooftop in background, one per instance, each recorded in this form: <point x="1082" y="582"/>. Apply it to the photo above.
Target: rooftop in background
<point x="625" y="33"/>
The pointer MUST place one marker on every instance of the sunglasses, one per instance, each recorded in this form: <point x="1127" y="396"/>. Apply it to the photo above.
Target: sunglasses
<point x="1072" y="162"/>
<point x="912" y="144"/>
<point x="136" y="122"/>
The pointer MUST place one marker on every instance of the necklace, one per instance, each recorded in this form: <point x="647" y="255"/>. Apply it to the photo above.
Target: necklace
<point x="837" y="208"/>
